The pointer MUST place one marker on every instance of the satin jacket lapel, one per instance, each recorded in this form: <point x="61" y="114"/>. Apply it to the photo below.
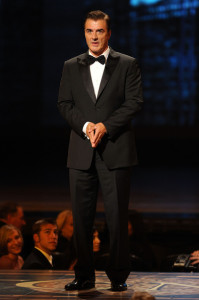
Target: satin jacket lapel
<point x="112" y="61"/>
<point x="86" y="76"/>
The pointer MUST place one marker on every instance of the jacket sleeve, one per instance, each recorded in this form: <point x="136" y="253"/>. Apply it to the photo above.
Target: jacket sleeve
<point x="66" y="104"/>
<point x="133" y="101"/>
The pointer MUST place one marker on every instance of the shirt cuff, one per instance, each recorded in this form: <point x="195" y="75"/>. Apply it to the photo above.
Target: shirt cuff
<point x="84" y="129"/>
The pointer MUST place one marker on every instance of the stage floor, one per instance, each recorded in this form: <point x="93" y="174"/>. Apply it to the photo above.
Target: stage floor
<point x="50" y="285"/>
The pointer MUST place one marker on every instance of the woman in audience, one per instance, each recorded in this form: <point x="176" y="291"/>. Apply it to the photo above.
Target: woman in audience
<point x="96" y="241"/>
<point x="65" y="252"/>
<point x="11" y="243"/>
<point x="100" y="256"/>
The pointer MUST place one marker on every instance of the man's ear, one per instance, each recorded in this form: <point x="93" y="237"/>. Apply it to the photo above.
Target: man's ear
<point x="36" y="237"/>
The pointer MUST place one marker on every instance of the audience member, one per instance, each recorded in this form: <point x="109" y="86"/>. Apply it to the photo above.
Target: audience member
<point x="96" y="240"/>
<point x="45" y="236"/>
<point x="11" y="243"/>
<point x="194" y="257"/>
<point x="142" y="296"/>
<point x="181" y="262"/>
<point x="100" y="258"/>
<point x="65" y="253"/>
<point x="142" y="256"/>
<point x="12" y="213"/>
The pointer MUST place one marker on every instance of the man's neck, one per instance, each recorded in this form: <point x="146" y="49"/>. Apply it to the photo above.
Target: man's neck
<point x="105" y="52"/>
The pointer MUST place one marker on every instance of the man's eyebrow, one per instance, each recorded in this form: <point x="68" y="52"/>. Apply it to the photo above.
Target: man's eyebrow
<point x="98" y="29"/>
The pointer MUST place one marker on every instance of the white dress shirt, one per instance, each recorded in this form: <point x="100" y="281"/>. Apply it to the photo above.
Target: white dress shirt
<point x="97" y="70"/>
<point x="48" y="256"/>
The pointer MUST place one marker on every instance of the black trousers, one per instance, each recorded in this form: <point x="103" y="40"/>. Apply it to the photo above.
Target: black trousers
<point x="115" y="187"/>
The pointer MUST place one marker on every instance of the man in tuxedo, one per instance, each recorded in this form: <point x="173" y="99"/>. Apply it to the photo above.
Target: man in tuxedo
<point x="45" y="236"/>
<point x="100" y="92"/>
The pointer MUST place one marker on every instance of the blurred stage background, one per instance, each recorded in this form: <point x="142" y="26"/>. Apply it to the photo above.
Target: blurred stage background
<point x="36" y="38"/>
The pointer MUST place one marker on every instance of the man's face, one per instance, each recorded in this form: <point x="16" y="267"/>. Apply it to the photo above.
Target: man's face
<point x="97" y="36"/>
<point x="47" y="238"/>
<point x="17" y="219"/>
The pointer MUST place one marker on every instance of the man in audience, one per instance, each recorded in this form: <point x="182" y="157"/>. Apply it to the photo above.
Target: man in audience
<point x="12" y="214"/>
<point x="45" y="236"/>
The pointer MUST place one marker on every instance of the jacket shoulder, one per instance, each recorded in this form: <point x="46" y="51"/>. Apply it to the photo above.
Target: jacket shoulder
<point x="126" y="58"/>
<point x="36" y="260"/>
<point x="122" y="56"/>
<point x="73" y="60"/>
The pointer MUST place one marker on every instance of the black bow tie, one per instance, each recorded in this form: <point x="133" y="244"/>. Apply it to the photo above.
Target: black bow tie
<point x="91" y="59"/>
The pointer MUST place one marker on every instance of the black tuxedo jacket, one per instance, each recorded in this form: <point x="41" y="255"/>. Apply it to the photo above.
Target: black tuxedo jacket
<point x="36" y="261"/>
<point x="119" y="99"/>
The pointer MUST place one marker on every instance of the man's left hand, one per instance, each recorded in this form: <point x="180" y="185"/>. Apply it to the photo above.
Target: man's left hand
<point x="100" y="131"/>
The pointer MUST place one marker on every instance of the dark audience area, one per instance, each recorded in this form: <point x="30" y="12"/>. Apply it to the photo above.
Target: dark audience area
<point x="153" y="245"/>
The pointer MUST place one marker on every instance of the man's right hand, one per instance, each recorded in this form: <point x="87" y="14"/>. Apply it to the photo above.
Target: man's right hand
<point x="90" y="131"/>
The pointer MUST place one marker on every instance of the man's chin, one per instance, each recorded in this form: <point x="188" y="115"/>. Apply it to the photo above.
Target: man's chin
<point x="52" y="248"/>
<point x="96" y="52"/>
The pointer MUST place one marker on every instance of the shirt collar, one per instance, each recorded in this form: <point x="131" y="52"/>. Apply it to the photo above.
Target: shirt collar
<point x="48" y="256"/>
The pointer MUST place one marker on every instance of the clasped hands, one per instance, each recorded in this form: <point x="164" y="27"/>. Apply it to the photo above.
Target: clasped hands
<point x="95" y="133"/>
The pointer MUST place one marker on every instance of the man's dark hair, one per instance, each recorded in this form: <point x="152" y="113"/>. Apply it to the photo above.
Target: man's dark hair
<point x="8" y="208"/>
<point x="38" y="224"/>
<point x="99" y="15"/>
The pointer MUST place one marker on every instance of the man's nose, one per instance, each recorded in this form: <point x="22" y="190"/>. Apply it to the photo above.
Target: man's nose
<point x="54" y="234"/>
<point x="94" y="36"/>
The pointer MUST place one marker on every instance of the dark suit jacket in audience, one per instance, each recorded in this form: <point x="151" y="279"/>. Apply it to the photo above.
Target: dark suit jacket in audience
<point x="2" y="223"/>
<point x="37" y="261"/>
